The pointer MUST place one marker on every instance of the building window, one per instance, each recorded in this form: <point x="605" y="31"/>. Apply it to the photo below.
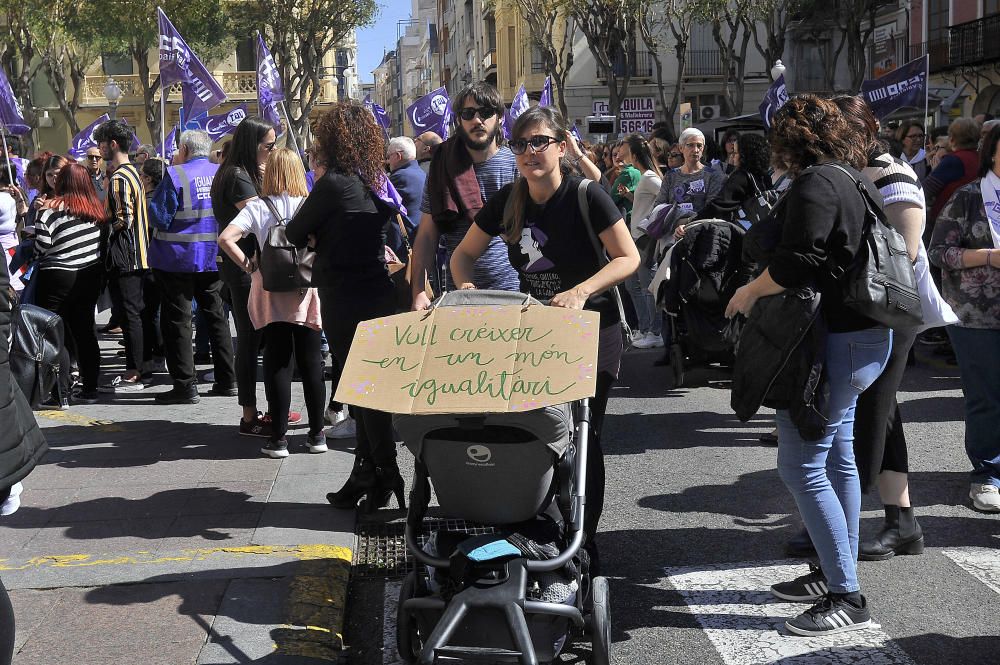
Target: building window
<point x="938" y="15"/>
<point x="491" y="33"/>
<point x="537" y="62"/>
<point x="117" y="65"/>
<point x="246" y="55"/>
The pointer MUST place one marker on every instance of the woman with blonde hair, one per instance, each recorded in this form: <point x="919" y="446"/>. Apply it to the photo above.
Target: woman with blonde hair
<point x="289" y="320"/>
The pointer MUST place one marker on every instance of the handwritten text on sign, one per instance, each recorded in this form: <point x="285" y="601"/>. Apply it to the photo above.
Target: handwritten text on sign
<point x="472" y="360"/>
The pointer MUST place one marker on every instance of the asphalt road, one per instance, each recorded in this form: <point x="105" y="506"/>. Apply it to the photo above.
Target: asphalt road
<point x="694" y="526"/>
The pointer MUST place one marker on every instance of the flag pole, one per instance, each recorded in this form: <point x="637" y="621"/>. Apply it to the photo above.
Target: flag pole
<point x="927" y="89"/>
<point x="6" y="154"/>
<point x="291" y="132"/>
<point x="163" y="121"/>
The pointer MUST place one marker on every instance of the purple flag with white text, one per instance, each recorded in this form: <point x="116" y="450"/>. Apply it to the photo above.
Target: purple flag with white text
<point x="517" y="106"/>
<point x="221" y="124"/>
<point x="546" y="98"/>
<point x="381" y="117"/>
<point x="179" y="64"/>
<point x="774" y="99"/>
<point x="85" y="139"/>
<point x="171" y="145"/>
<point x="905" y="86"/>
<point x="431" y="113"/>
<point x="269" y="91"/>
<point x="11" y="114"/>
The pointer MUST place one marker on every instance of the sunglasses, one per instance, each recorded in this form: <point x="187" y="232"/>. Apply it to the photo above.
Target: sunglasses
<point x="269" y="146"/>
<point x="483" y="113"/>
<point x="538" y="143"/>
<point x="94" y="158"/>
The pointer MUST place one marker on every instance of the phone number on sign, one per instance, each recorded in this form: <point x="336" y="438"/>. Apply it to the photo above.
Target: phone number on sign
<point x="641" y="126"/>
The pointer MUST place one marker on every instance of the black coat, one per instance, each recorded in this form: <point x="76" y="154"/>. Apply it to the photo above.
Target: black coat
<point x="22" y="444"/>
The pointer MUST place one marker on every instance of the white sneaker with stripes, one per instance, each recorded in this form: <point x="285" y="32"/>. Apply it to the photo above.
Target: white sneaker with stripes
<point x="806" y="588"/>
<point x="831" y="615"/>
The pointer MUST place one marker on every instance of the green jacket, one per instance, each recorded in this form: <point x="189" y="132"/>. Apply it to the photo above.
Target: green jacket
<point x="629" y="177"/>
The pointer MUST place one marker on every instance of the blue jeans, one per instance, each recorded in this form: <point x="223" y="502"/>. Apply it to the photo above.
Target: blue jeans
<point x="645" y="307"/>
<point x="978" y="353"/>
<point x="822" y="475"/>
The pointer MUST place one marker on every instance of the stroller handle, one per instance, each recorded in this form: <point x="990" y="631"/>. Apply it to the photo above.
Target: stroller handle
<point x="467" y="297"/>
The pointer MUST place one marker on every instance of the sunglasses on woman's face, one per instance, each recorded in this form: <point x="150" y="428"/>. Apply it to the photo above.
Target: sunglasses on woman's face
<point x="269" y="146"/>
<point x="538" y="143"/>
<point x="483" y="113"/>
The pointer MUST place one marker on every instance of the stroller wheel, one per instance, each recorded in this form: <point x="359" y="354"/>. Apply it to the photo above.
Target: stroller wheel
<point x="600" y="622"/>
<point x="677" y="364"/>
<point x="407" y="635"/>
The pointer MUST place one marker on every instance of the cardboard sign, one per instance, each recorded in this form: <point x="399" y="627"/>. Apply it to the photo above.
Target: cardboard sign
<point x="475" y="359"/>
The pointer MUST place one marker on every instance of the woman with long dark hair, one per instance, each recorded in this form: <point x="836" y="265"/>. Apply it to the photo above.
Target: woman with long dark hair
<point x="68" y="267"/>
<point x="822" y="219"/>
<point x="750" y="178"/>
<point x="550" y="247"/>
<point x="238" y="182"/>
<point x="349" y="222"/>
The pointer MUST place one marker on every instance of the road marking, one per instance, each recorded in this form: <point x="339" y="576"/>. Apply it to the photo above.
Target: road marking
<point x="300" y="552"/>
<point x="980" y="562"/>
<point x="317" y="598"/>
<point x="71" y="418"/>
<point x="734" y="606"/>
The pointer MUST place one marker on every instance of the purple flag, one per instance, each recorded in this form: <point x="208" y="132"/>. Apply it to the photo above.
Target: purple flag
<point x="431" y="113"/>
<point x="219" y="125"/>
<point x="171" y="145"/>
<point x="135" y="139"/>
<point x="11" y="115"/>
<point x="381" y="117"/>
<point x="576" y="133"/>
<point x="774" y="99"/>
<point x="269" y="91"/>
<point x="85" y="139"/>
<point x="518" y="106"/>
<point x="546" y="98"/>
<point x="179" y="64"/>
<point x="905" y="86"/>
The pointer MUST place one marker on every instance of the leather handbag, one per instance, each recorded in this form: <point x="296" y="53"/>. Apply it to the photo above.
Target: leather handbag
<point x="283" y="266"/>
<point x="880" y="283"/>
<point x="401" y="273"/>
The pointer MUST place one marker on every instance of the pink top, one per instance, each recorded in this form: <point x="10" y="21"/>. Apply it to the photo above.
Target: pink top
<point x="266" y="307"/>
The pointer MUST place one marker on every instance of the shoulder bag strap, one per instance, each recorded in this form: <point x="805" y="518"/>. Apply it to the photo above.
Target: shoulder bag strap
<point x="602" y="256"/>
<point x="402" y="233"/>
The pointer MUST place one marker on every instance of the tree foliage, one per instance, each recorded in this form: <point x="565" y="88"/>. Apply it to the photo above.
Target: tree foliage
<point x="18" y="56"/>
<point x="542" y="17"/>
<point x="300" y="34"/>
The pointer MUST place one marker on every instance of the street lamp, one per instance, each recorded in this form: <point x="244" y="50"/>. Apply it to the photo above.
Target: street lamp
<point x="777" y="70"/>
<point x="112" y="93"/>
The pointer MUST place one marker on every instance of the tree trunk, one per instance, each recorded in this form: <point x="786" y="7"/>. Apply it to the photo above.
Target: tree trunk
<point x="154" y="123"/>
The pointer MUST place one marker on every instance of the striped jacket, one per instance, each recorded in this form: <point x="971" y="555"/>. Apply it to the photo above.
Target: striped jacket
<point x="129" y="241"/>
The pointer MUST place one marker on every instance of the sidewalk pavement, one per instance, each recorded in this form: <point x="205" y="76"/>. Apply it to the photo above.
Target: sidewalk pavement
<point x="156" y="534"/>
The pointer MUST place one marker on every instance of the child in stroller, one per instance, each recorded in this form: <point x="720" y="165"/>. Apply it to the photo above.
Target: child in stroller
<point x="519" y="594"/>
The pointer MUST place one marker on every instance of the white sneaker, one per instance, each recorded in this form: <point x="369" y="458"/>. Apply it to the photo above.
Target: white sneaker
<point x="647" y="341"/>
<point x="345" y="429"/>
<point x="636" y="336"/>
<point x="121" y="385"/>
<point x="985" y="497"/>
<point x="656" y="339"/>
<point x="331" y="417"/>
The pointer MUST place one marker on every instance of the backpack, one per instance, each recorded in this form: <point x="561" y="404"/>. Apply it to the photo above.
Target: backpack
<point x="881" y="283"/>
<point x="37" y="352"/>
<point x="283" y="266"/>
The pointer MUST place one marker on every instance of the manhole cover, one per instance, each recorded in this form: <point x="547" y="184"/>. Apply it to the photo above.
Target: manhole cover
<point x="380" y="548"/>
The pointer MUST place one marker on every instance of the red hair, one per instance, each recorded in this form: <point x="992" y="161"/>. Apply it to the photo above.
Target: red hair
<point x="75" y="193"/>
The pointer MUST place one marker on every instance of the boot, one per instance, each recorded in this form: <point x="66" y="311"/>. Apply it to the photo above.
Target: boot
<point x="387" y="483"/>
<point x="362" y="479"/>
<point x="900" y="534"/>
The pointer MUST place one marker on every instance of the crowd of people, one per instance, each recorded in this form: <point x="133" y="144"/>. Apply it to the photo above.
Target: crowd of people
<point x="179" y="248"/>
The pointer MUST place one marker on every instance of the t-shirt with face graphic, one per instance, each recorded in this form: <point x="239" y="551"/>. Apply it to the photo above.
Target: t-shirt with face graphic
<point x="554" y="252"/>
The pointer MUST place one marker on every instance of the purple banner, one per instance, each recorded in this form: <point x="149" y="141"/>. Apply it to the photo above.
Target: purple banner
<point x="546" y="98"/>
<point x="171" y="145"/>
<point x="905" y="86"/>
<point x="222" y="124"/>
<point x="269" y="91"/>
<point x="774" y="99"/>
<point x="179" y="64"/>
<point x="10" y="110"/>
<point x="517" y="106"/>
<point x="576" y="133"/>
<point x="85" y="139"/>
<point x="431" y="113"/>
<point x="381" y="117"/>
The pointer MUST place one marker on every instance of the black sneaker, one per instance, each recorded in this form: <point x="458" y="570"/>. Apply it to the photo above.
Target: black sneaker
<point x="831" y="615"/>
<point x="317" y="442"/>
<point x="223" y="391"/>
<point x="805" y="589"/>
<point x="276" y="449"/>
<point x="255" y="427"/>
<point x="179" y="395"/>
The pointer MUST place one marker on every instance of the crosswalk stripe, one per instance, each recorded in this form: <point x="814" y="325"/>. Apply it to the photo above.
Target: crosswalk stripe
<point x="745" y="624"/>
<point x="980" y="562"/>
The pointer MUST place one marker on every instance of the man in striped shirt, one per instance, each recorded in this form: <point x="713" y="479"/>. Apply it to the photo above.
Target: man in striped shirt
<point x="129" y="278"/>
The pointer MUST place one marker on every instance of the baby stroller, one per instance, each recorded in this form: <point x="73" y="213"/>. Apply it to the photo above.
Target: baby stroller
<point x="697" y="277"/>
<point x="519" y="594"/>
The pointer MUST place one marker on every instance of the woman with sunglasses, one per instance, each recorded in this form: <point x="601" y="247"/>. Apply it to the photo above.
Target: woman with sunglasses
<point x="549" y="245"/>
<point x="238" y="182"/>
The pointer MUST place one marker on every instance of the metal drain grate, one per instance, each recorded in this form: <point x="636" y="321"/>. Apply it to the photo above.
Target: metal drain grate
<point x="380" y="547"/>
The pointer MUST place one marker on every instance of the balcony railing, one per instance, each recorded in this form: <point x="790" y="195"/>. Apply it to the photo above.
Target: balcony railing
<point x="641" y="66"/>
<point x="703" y="63"/>
<point x="490" y="59"/>
<point x="975" y="42"/>
<point x="238" y="86"/>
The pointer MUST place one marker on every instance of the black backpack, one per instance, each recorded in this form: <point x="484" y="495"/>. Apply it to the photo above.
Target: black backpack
<point x="283" y="266"/>
<point x="37" y="353"/>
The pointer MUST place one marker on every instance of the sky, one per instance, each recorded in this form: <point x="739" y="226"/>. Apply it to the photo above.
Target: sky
<point x="373" y="42"/>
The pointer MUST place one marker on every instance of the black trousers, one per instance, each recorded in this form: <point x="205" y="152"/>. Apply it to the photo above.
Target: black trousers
<point x="140" y="303"/>
<point x="6" y="627"/>
<point x="247" y="337"/>
<point x="879" y="441"/>
<point x="595" y="455"/>
<point x="177" y="290"/>
<point x="282" y="341"/>
<point x="343" y="310"/>
<point x="72" y="294"/>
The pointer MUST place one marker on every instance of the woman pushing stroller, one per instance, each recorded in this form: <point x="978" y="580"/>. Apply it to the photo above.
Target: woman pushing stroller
<point x="540" y="218"/>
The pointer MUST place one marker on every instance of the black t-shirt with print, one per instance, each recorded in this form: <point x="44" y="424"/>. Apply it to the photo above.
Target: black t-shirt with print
<point x="555" y="253"/>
